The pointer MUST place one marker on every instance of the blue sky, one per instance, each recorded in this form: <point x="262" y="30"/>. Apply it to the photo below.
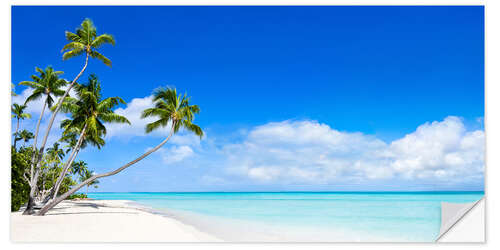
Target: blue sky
<point x="368" y="75"/>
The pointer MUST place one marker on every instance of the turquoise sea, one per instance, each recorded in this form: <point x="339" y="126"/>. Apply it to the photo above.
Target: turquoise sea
<point x="305" y="216"/>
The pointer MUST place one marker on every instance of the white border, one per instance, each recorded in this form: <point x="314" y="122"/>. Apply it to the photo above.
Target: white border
<point x="492" y="123"/>
<point x="248" y="2"/>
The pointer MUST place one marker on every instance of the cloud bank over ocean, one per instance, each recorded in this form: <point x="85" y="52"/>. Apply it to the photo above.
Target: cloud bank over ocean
<point x="437" y="154"/>
<point x="312" y="152"/>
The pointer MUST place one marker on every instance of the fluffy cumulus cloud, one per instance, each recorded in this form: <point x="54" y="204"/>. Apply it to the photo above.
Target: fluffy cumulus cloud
<point x="439" y="150"/>
<point x="176" y="154"/>
<point x="314" y="153"/>
<point x="133" y="112"/>
<point x="35" y="107"/>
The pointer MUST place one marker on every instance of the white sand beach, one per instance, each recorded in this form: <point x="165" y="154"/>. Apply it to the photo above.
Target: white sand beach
<point x="102" y="221"/>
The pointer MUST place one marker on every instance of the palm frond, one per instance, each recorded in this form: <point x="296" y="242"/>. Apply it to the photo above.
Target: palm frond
<point x="99" y="56"/>
<point x="73" y="46"/>
<point x="50" y="101"/>
<point x="72" y="53"/>
<point x="31" y="84"/>
<point x="113" y="118"/>
<point x="26" y="115"/>
<point x="69" y="105"/>
<point x="150" y="112"/>
<point x="70" y="36"/>
<point x="156" y="124"/>
<point x="103" y="39"/>
<point x="109" y="103"/>
<point x="37" y="93"/>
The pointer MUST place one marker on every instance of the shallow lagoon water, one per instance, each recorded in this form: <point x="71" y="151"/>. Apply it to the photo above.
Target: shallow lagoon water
<point x="306" y="216"/>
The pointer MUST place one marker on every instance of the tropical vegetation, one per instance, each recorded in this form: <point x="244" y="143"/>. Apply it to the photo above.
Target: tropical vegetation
<point x="41" y="178"/>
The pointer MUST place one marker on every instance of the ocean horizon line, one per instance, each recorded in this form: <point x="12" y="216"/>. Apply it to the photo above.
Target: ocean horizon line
<point x="332" y="192"/>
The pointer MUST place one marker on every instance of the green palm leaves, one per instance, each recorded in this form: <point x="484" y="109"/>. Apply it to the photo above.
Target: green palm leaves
<point x="24" y="135"/>
<point x="56" y="153"/>
<point x="79" y="168"/>
<point x="48" y="83"/>
<point x="89" y="110"/>
<point x="172" y="108"/>
<point x="18" y="112"/>
<point x="86" y="40"/>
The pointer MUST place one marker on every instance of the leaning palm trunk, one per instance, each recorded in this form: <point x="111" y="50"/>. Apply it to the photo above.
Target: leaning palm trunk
<point x="29" y="207"/>
<point x="57" y="200"/>
<point x="72" y="157"/>
<point x="15" y="134"/>
<point x="33" y="159"/>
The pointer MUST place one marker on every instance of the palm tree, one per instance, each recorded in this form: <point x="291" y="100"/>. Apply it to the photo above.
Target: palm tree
<point x="19" y="114"/>
<point x="89" y="113"/>
<point x="55" y="152"/>
<point x="50" y="168"/>
<point x="170" y="109"/>
<point x="25" y="135"/>
<point x="84" y="41"/>
<point x="47" y="84"/>
<point x="78" y="167"/>
<point x="85" y="176"/>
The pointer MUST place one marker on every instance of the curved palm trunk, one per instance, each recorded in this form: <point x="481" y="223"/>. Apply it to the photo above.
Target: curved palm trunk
<point x="93" y="178"/>
<point x="29" y="208"/>
<point x="33" y="159"/>
<point x="15" y="135"/>
<point x="72" y="157"/>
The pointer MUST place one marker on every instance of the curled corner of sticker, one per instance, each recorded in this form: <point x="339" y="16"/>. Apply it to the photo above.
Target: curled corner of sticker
<point x="453" y="213"/>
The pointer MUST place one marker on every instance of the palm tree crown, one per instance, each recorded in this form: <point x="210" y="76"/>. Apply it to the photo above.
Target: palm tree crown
<point x="18" y="112"/>
<point x="55" y="152"/>
<point x="48" y="83"/>
<point x="172" y="108"/>
<point x="169" y="108"/>
<point x="86" y="41"/>
<point x="70" y="137"/>
<point x="89" y="110"/>
<point x="79" y="168"/>
<point x="25" y="135"/>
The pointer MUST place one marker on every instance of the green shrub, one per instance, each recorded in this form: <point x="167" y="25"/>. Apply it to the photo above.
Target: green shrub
<point x="19" y="187"/>
<point x="77" y="196"/>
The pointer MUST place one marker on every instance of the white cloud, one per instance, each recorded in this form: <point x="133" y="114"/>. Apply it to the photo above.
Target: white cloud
<point x="133" y="113"/>
<point x="314" y="153"/>
<point x="175" y="154"/>
<point x="35" y="107"/>
<point x="439" y="150"/>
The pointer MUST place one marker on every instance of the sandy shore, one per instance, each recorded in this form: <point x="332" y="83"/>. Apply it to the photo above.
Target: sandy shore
<point x="102" y="221"/>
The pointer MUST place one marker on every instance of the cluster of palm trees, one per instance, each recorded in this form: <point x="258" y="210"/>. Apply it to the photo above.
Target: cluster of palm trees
<point x="19" y="114"/>
<point x="89" y="111"/>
